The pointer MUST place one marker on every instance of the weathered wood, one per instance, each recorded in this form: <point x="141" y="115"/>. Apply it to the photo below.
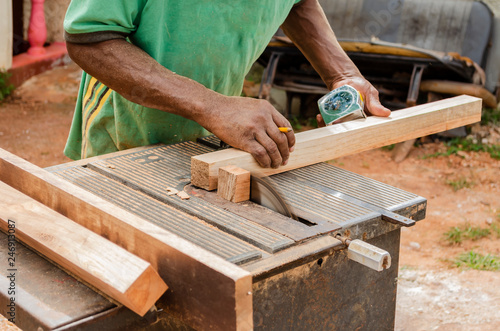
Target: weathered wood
<point x="109" y="268"/>
<point x="205" y="291"/>
<point x="234" y="184"/>
<point x="347" y="138"/>
<point x="457" y="88"/>
<point x="373" y="47"/>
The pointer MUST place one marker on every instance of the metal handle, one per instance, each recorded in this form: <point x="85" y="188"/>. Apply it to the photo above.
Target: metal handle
<point x="368" y="255"/>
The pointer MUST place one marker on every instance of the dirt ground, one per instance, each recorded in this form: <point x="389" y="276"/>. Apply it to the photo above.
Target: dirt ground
<point x="433" y="294"/>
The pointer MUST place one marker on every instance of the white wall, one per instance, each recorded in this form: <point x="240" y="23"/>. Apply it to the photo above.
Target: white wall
<point x="5" y="34"/>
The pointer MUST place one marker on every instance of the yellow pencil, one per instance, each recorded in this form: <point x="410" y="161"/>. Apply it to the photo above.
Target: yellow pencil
<point x="284" y="129"/>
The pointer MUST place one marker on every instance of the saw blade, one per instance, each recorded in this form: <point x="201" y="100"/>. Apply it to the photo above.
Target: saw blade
<point x="264" y="193"/>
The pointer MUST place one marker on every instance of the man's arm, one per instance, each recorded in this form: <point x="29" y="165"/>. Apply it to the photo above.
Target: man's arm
<point x="245" y="123"/>
<point x="308" y="27"/>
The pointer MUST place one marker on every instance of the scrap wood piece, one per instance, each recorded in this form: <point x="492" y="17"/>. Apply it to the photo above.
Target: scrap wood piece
<point x="347" y="138"/>
<point x="183" y="195"/>
<point x="234" y="184"/>
<point x="205" y="291"/>
<point x="111" y="269"/>
<point x="455" y="88"/>
<point x="171" y="191"/>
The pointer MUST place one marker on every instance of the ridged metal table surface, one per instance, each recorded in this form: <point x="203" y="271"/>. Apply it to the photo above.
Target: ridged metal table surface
<point x="140" y="182"/>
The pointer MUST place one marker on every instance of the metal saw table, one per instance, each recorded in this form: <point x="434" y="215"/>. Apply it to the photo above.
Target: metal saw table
<point x="302" y="278"/>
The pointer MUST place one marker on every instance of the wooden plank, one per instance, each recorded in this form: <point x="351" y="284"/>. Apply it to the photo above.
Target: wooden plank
<point x="347" y="138"/>
<point x="50" y="296"/>
<point x="205" y="291"/>
<point x="234" y="184"/>
<point x="111" y="269"/>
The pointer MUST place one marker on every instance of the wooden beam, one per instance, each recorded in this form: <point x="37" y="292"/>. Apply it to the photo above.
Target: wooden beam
<point x="374" y="47"/>
<point x="234" y="184"/>
<point x="111" y="269"/>
<point x="456" y="88"/>
<point x="347" y="138"/>
<point x="205" y="291"/>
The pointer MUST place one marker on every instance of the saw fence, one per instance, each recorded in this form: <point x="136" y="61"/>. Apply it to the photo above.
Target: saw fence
<point x="115" y="223"/>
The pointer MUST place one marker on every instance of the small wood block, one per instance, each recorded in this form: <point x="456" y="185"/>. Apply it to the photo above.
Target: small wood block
<point x="234" y="183"/>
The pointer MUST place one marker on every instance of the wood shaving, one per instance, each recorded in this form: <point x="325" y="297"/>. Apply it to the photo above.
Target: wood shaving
<point x="172" y="191"/>
<point x="183" y="195"/>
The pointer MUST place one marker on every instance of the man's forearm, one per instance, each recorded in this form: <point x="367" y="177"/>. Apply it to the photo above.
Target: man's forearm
<point x="308" y="27"/>
<point x="136" y="76"/>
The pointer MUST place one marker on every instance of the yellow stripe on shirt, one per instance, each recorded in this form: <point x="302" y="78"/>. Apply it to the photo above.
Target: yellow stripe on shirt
<point x="96" y="97"/>
<point x="88" y="122"/>
<point x="90" y="87"/>
<point x="93" y="116"/>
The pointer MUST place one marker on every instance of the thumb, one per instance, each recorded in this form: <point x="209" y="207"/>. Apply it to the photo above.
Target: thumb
<point x="375" y="108"/>
<point x="321" y="122"/>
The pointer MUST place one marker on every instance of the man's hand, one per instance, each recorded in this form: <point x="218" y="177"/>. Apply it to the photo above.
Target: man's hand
<point x="308" y="27"/>
<point x="369" y="93"/>
<point x="251" y="125"/>
<point x="370" y="96"/>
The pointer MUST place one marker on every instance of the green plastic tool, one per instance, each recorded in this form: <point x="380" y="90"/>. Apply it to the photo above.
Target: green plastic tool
<point x="342" y="104"/>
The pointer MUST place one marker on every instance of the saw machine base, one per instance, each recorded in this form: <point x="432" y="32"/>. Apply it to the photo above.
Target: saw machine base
<point x="302" y="277"/>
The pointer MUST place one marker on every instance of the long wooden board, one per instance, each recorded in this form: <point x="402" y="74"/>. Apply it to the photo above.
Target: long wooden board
<point x="111" y="269"/>
<point x="205" y="291"/>
<point x="343" y="139"/>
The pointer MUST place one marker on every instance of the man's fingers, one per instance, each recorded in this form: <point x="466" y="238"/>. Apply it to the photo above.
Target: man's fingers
<point x="321" y="122"/>
<point x="281" y="121"/>
<point x="374" y="107"/>
<point x="259" y="153"/>
<point x="271" y="147"/>
<point x="369" y="93"/>
<point x="290" y="139"/>
<point x="281" y="140"/>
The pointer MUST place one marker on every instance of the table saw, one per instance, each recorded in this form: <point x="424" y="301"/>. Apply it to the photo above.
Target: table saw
<point x="301" y="275"/>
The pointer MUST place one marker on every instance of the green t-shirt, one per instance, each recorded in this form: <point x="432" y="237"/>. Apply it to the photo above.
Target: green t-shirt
<point x="213" y="42"/>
